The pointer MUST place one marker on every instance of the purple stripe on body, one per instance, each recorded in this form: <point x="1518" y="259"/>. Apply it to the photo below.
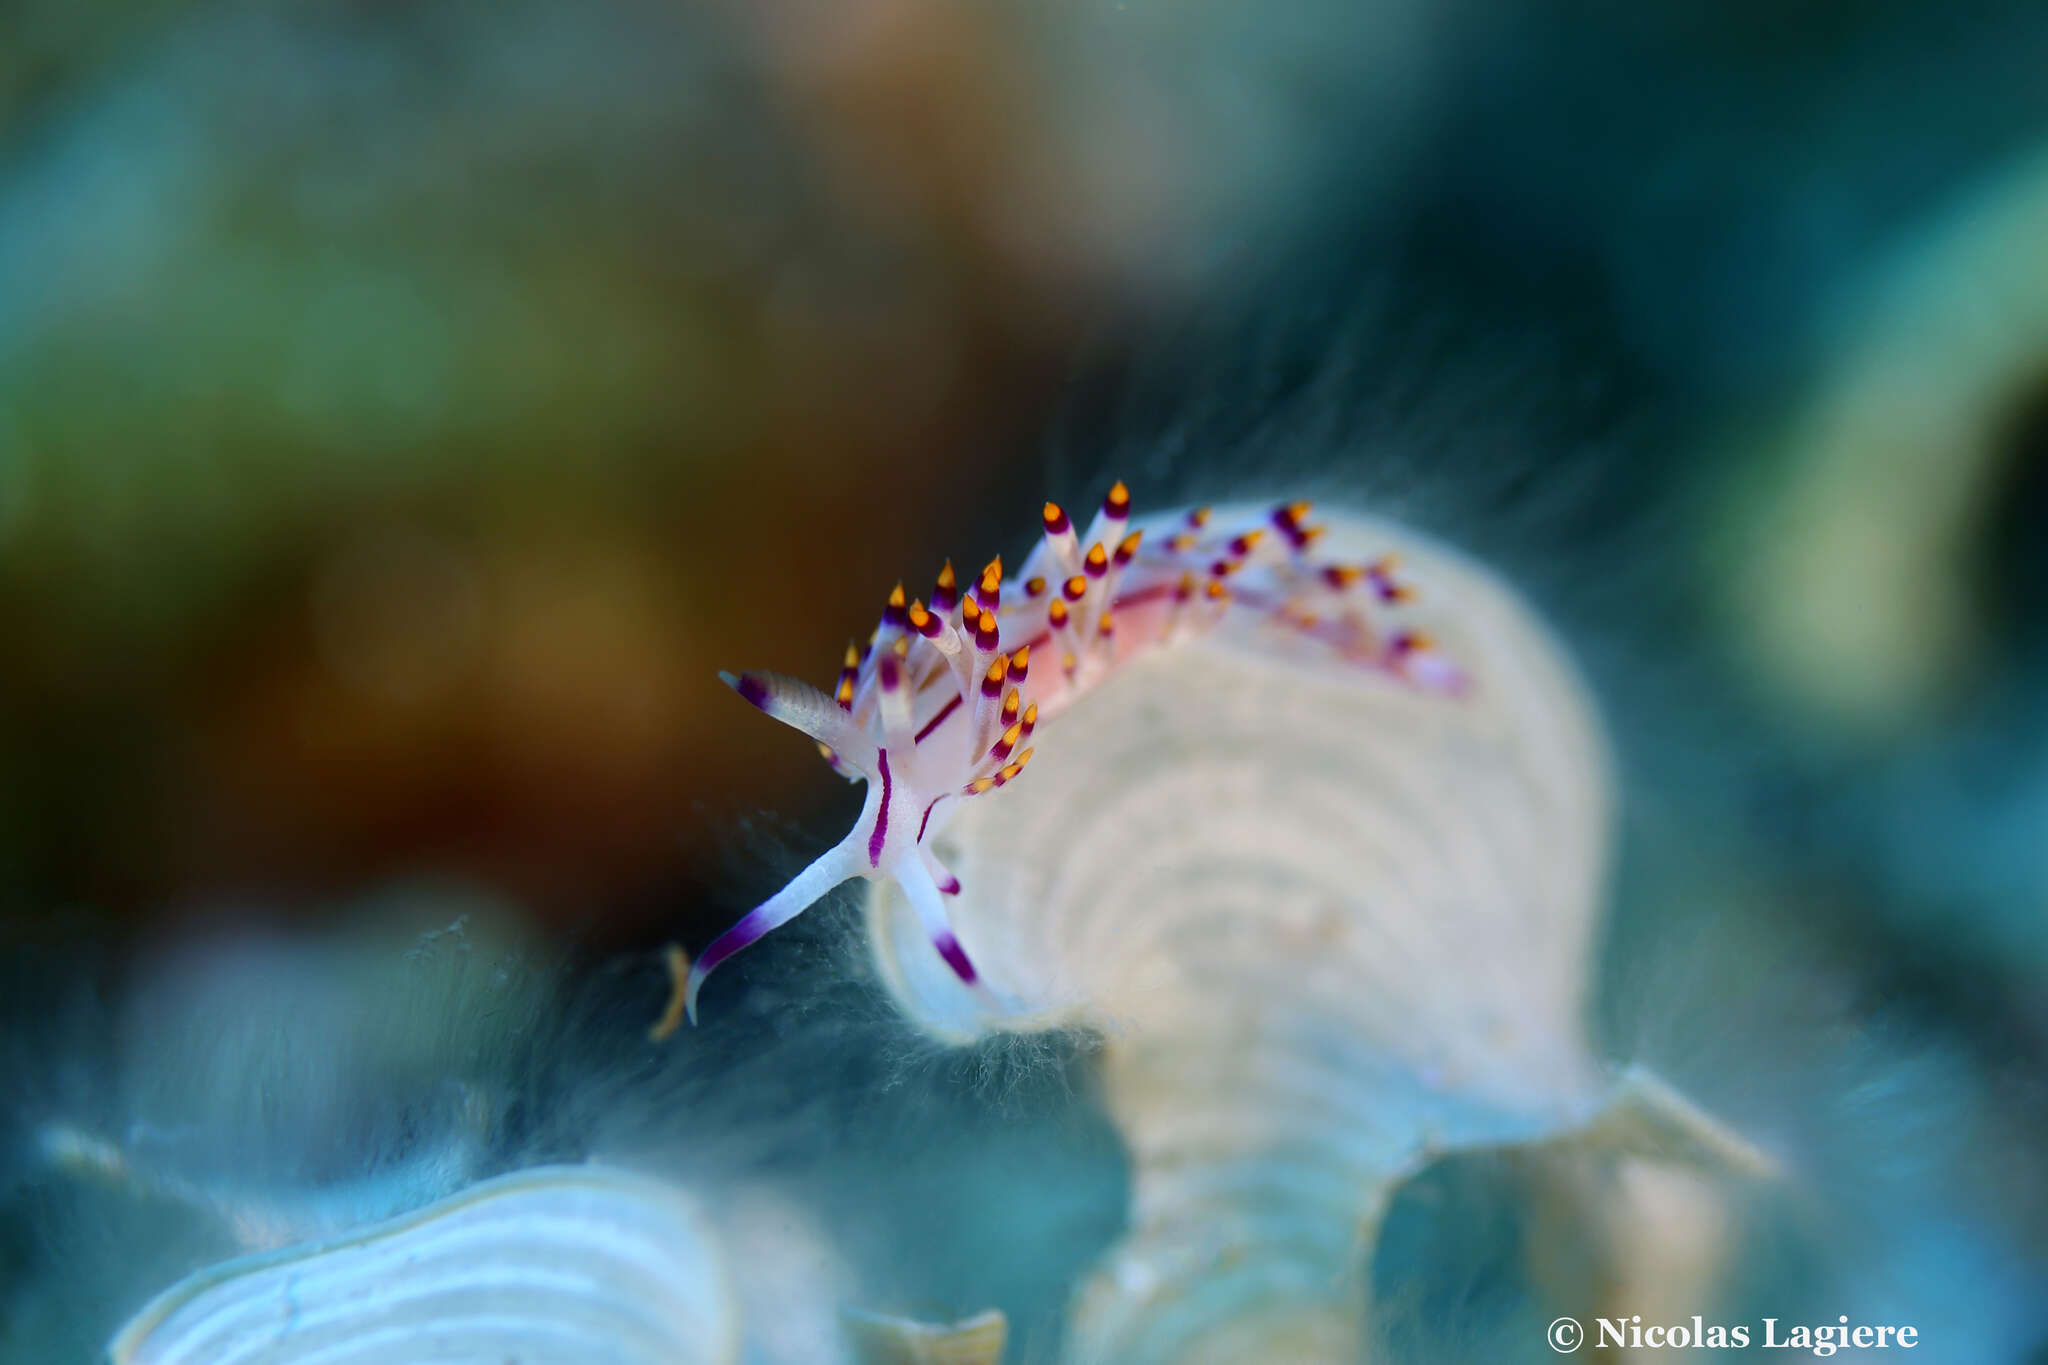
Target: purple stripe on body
<point x="881" y="833"/>
<point x="937" y="720"/>
<point x="922" y="824"/>
<point x="752" y="690"/>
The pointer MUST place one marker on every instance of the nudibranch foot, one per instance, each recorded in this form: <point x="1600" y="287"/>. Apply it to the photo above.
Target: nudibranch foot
<point x="936" y="709"/>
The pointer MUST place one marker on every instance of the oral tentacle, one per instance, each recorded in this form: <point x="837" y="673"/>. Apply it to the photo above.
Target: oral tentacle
<point x="921" y="889"/>
<point x="948" y="884"/>
<point x="840" y="863"/>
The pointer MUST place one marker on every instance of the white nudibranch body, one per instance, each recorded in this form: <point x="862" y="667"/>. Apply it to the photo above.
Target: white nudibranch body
<point x="938" y="707"/>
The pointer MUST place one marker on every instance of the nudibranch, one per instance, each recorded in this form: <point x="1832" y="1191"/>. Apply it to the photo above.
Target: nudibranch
<point x="941" y="704"/>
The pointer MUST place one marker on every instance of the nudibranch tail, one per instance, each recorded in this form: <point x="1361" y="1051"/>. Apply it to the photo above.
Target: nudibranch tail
<point x="935" y="709"/>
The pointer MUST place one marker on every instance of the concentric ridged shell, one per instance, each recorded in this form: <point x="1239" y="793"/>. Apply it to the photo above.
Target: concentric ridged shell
<point x="1327" y="922"/>
<point x="561" y="1265"/>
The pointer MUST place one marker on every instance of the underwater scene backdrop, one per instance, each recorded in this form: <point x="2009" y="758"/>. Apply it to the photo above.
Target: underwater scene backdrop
<point x="1462" y="744"/>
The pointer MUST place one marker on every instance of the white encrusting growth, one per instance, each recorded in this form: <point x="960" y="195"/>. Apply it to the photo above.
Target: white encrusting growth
<point x="939" y="707"/>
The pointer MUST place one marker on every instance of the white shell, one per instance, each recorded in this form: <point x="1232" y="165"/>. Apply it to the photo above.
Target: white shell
<point x="1327" y="923"/>
<point x="561" y="1265"/>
